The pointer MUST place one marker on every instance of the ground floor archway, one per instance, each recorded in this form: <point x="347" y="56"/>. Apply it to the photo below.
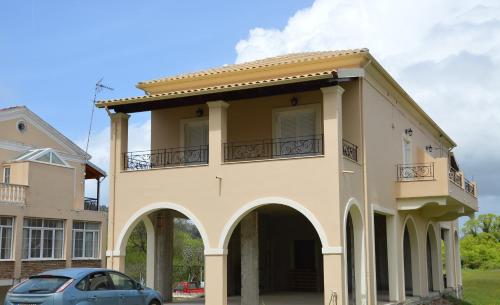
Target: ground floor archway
<point x="411" y="258"/>
<point x="274" y="251"/>
<point x="432" y="255"/>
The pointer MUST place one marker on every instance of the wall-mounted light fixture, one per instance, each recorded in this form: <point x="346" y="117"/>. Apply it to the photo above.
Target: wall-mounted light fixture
<point x="199" y="112"/>
<point x="429" y="148"/>
<point x="294" y="101"/>
<point x="409" y="132"/>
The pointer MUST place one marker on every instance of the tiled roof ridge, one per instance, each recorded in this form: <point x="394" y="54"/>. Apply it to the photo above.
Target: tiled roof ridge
<point x="12" y="107"/>
<point x="260" y="63"/>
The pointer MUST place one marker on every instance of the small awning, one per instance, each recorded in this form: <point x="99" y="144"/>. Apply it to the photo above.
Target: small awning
<point x="92" y="171"/>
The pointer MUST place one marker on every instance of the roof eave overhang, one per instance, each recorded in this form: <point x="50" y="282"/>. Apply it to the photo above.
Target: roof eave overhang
<point x="151" y="102"/>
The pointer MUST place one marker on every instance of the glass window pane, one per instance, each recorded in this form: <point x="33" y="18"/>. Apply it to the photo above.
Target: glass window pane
<point x="44" y="158"/>
<point x="48" y="238"/>
<point x="78" y="250"/>
<point x="56" y="159"/>
<point x="100" y="281"/>
<point x="59" y="244"/>
<point x="25" y="243"/>
<point x="89" y="240"/>
<point x="5" y="243"/>
<point x="78" y="225"/>
<point x="36" y="240"/>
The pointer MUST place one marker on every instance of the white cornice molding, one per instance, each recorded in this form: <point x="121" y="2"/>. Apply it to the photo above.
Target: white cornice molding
<point x="21" y="147"/>
<point x="38" y="122"/>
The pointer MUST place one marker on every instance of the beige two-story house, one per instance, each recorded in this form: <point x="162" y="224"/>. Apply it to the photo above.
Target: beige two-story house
<point x="313" y="178"/>
<point x="46" y="222"/>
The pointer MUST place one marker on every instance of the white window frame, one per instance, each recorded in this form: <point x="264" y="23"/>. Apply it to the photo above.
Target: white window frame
<point x="43" y="230"/>
<point x="302" y="108"/>
<point x="37" y="153"/>
<point x="6" y="177"/>
<point x="96" y="246"/>
<point x="11" y="226"/>
<point x="406" y="140"/>
<point x="185" y="122"/>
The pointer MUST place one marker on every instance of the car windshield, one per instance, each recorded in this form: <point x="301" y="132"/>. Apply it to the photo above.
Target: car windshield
<point x="41" y="284"/>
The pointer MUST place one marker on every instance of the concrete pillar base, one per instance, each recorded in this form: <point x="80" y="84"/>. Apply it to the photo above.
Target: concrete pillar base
<point x="216" y="279"/>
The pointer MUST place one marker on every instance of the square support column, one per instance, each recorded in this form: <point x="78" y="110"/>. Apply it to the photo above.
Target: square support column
<point x="250" y="259"/>
<point x="333" y="280"/>
<point x="119" y="145"/>
<point x="164" y="253"/>
<point x="216" y="279"/>
<point x="332" y="123"/>
<point x="450" y="274"/>
<point x="217" y="131"/>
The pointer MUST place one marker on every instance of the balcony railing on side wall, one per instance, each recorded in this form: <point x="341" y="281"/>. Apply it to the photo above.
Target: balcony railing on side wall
<point x="90" y="204"/>
<point x="350" y="150"/>
<point x="274" y="148"/>
<point x="455" y="177"/>
<point x="13" y="193"/>
<point x="469" y="187"/>
<point x="169" y="157"/>
<point x="415" y="172"/>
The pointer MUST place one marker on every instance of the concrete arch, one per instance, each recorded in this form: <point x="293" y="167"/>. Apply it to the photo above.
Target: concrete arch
<point x="410" y="223"/>
<point x="353" y="208"/>
<point x="435" y="254"/>
<point x="125" y="232"/>
<point x="247" y="208"/>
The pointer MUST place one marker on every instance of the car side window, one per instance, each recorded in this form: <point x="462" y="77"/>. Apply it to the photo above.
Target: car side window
<point x="99" y="281"/>
<point x="82" y="285"/>
<point x="121" y="282"/>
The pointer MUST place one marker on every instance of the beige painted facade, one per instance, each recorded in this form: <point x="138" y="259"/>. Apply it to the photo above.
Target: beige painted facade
<point x="368" y="161"/>
<point x="41" y="189"/>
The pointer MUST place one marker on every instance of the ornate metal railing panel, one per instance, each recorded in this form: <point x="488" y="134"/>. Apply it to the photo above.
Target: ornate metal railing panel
<point x="415" y="172"/>
<point x="469" y="187"/>
<point x="455" y="177"/>
<point x="90" y="204"/>
<point x="13" y="193"/>
<point x="274" y="148"/>
<point x="350" y="150"/>
<point x="169" y="157"/>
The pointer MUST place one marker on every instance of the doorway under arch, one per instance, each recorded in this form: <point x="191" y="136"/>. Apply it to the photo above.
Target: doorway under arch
<point x="411" y="258"/>
<point x="355" y="255"/>
<point x="432" y="254"/>
<point x="274" y="252"/>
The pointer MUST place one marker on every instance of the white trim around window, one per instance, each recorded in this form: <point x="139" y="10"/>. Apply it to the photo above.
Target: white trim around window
<point x="43" y="239"/>
<point x="86" y="240"/>
<point x="6" y="175"/>
<point x="6" y="237"/>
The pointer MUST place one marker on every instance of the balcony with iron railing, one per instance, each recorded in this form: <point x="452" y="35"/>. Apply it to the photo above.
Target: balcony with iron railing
<point x="434" y="184"/>
<point x="13" y="193"/>
<point x="277" y="148"/>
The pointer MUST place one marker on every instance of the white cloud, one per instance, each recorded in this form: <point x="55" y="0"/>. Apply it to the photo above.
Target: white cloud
<point x="446" y="54"/>
<point x="139" y="139"/>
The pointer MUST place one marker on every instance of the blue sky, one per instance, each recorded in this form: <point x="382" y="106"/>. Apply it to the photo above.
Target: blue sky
<point x="445" y="53"/>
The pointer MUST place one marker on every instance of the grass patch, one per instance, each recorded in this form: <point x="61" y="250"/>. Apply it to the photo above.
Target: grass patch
<point x="481" y="287"/>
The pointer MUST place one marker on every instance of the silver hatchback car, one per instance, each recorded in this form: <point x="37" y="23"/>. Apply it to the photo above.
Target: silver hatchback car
<point x="82" y="286"/>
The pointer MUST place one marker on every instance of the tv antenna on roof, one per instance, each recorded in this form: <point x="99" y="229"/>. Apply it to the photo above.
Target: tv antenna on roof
<point x="99" y="87"/>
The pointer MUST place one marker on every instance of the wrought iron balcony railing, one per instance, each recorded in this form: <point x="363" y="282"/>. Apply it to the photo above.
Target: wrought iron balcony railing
<point x="350" y="150"/>
<point x="415" y="172"/>
<point x="274" y="148"/>
<point x="169" y="157"/>
<point x="13" y="193"/>
<point x="469" y="187"/>
<point x="455" y="177"/>
<point x="90" y="204"/>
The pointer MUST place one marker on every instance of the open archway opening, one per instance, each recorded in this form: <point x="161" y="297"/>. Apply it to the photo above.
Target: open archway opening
<point x="411" y="259"/>
<point x="432" y="260"/>
<point x="274" y="257"/>
<point x="165" y="251"/>
<point x="354" y="258"/>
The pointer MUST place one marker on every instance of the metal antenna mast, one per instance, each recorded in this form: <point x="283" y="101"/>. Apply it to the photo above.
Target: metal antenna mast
<point x="98" y="88"/>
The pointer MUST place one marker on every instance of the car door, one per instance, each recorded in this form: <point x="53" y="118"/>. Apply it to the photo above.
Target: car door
<point x="127" y="290"/>
<point x="100" y="290"/>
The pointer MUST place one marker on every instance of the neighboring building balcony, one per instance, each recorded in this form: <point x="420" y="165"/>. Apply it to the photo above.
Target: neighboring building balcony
<point x="436" y="189"/>
<point x="13" y="193"/>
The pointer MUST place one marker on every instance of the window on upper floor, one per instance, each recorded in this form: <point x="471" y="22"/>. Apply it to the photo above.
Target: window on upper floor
<point x="45" y="155"/>
<point x="6" y="175"/>
<point x="86" y="239"/>
<point x="43" y="238"/>
<point x="6" y="229"/>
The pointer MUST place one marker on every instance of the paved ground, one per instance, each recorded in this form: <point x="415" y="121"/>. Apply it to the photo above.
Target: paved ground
<point x="270" y="299"/>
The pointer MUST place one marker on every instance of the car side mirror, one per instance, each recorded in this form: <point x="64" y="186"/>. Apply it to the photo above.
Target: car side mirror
<point x="138" y="286"/>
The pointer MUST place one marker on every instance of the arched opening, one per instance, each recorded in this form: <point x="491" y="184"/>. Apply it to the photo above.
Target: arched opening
<point x="432" y="260"/>
<point x="411" y="259"/>
<point x="274" y="257"/>
<point x="354" y="258"/>
<point x="165" y="251"/>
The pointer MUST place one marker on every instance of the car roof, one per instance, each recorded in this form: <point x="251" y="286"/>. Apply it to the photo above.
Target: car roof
<point x="72" y="272"/>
